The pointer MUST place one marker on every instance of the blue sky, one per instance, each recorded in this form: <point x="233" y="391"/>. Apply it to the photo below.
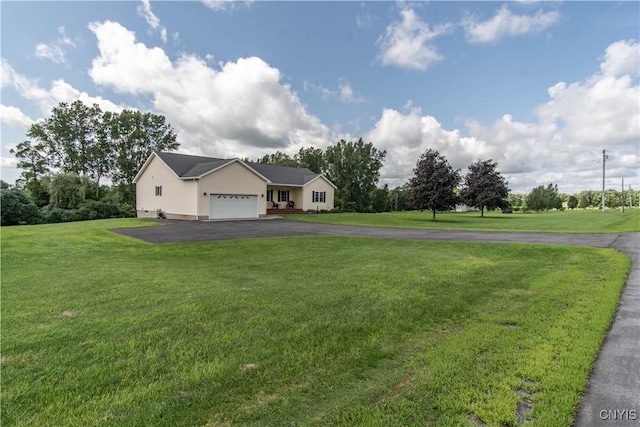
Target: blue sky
<point x="541" y="88"/>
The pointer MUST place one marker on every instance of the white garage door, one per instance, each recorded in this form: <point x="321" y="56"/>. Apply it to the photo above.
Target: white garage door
<point x="227" y="206"/>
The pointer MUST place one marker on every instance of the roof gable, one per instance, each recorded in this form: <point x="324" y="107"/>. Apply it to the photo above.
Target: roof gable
<point x="320" y="176"/>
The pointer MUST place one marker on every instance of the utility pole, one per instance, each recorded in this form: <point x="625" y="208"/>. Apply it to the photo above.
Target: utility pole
<point x="604" y="159"/>
<point x="622" y="195"/>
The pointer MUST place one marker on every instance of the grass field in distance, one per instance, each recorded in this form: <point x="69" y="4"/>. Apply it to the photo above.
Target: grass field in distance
<point x="576" y="221"/>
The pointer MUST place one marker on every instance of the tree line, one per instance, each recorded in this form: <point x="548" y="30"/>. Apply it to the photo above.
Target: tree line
<point x="66" y="157"/>
<point x="543" y="198"/>
<point x="93" y="144"/>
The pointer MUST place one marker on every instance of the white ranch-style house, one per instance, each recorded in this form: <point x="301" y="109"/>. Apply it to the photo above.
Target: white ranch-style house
<point x="189" y="187"/>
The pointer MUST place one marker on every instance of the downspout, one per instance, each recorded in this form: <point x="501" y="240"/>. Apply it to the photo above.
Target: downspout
<point x="197" y="198"/>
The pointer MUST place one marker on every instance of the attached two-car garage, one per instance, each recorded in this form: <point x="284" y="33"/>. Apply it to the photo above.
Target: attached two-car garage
<point x="227" y="206"/>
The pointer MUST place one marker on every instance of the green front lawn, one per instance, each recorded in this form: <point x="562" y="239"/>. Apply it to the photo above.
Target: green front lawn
<point x="577" y="221"/>
<point x="101" y="329"/>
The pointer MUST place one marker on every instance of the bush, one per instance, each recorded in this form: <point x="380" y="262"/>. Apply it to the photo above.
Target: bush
<point x="17" y="208"/>
<point x="126" y="210"/>
<point x="89" y="210"/>
<point x="55" y="215"/>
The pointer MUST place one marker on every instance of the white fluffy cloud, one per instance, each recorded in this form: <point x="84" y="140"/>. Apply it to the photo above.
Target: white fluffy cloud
<point x="240" y="109"/>
<point x="406" y="44"/>
<point x="507" y="24"/>
<point x="46" y="99"/>
<point x="620" y="58"/>
<point x="406" y="136"/>
<point x="14" y="117"/>
<point x="54" y="51"/>
<point x="564" y="145"/>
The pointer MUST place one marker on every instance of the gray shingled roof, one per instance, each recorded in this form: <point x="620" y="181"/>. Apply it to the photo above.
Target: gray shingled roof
<point x="187" y="166"/>
<point x="284" y="174"/>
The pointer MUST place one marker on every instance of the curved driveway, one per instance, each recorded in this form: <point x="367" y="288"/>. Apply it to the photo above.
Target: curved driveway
<point x="613" y="396"/>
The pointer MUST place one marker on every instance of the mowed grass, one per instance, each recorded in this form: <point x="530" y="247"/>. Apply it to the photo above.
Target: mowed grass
<point x="576" y="221"/>
<point x="101" y="329"/>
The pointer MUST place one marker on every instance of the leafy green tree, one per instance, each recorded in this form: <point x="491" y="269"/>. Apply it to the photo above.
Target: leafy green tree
<point x="279" y="158"/>
<point x="39" y="191"/>
<point x="83" y="140"/>
<point x="354" y="168"/>
<point x="516" y="201"/>
<point x="310" y="158"/>
<point x="381" y="200"/>
<point x="69" y="190"/>
<point x="484" y="187"/>
<point x="69" y="138"/>
<point x="544" y="198"/>
<point x="17" y="208"/>
<point x="572" y="202"/>
<point x="32" y="159"/>
<point x="399" y="198"/>
<point x="587" y="199"/>
<point x="536" y="200"/>
<point x="434" y="183"/>
<point x="35" y="165"/>
<point x="135" y="136"/>
<point x="612" y="198"/>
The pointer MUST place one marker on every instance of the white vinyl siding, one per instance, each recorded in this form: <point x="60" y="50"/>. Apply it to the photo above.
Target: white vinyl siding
<point x="313" y="194"/>
<point x="159" y="188"/>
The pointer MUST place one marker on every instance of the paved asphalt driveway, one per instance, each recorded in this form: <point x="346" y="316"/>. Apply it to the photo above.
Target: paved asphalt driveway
<point x="613" y="396"/>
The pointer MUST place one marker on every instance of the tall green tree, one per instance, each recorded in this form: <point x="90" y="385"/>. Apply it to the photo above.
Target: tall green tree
<point x="69" y="137"/>
<point x="32" y="159"/>
<point x="434" y="183"/>
<point x="484" y="187"/>
<point x="85" y="141"/>
<point x="134" y="136"/>
<point x="354" y="168"/>
<point x="310" y="158"/>
<point x="544" y="198"/>
<point x="279" y="158"/>
<point x="381" y="199"/>
<point x="72" y="140"/>
<point x="35" y="165"/>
